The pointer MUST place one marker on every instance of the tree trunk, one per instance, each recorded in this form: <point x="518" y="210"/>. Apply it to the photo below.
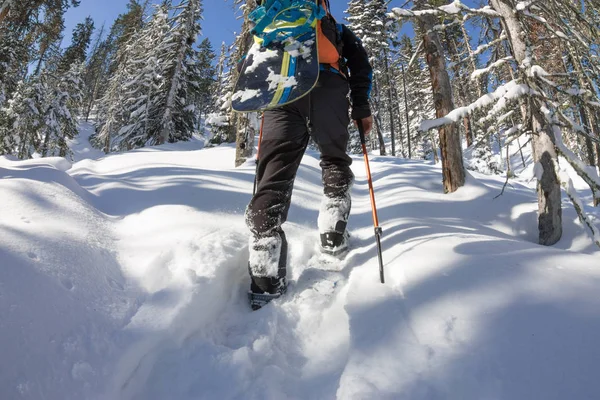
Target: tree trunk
<point x="451" y="149"/>
<point x="377" y="123"/>
<point x="375" y="107"/>
<point x="588" y="141"/>
<point x="390" y="102"/>
<point x="400" y="131"/>
<point x="544" y="152"/>
<point x="406" y="112"/>
<point x="462" y="91"/>
<point x="244" y="141"/>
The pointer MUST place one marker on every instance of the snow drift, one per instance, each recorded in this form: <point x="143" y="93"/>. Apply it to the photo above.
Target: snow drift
<point x="124" y="277"/>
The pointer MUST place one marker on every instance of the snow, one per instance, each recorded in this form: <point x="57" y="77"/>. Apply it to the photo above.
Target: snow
<point x="277" y="79"/>
<point x="522" y="5"/>
<point x="299" y="49"/>
<point x="246" y="94"/>
<point x="264" y="261"/>
<point x="215" y="119"/>
<point x="125" y="277"/>
<point x="453" y="8"/>
<point x="478" y="72"/>
<point x="259" y="56"/>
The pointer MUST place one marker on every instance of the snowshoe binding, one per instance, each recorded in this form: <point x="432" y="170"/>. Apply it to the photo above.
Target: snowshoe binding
<point x="334" y="243"/>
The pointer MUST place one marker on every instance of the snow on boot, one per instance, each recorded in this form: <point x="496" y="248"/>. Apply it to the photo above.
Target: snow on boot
<point x="267" y="267"/>
<point x="332" y="222"/>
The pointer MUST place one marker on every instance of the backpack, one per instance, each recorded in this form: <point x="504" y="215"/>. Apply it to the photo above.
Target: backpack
<point x="281" y="20"/>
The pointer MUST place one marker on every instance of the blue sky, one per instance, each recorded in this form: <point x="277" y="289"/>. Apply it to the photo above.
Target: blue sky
<point x="219" y="20"/>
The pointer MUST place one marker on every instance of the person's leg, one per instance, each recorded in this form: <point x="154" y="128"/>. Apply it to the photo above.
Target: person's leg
<point x="330" y="119"/>
<point x="284" y="141"/>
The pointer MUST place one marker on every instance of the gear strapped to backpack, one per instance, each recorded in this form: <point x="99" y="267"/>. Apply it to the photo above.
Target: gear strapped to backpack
<point x="293" y="41"/>
<point x="281" y="20"/>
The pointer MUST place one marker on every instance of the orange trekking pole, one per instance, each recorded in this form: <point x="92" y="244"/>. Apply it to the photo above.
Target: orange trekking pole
<point x="378" y="230"/>
<point x="262" y="121"/>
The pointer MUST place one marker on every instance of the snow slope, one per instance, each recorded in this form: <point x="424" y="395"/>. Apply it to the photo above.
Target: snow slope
<point x="124" y="277"/>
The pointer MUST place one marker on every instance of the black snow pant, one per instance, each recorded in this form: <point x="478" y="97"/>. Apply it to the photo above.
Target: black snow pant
<point x="322" y="114"/>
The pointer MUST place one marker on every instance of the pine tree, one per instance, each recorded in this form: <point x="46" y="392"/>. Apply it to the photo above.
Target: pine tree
<point x="49" y="34"/>
<point x="418" y="102"/>
<point x="21" y="119"/>
<point x="125" y="26"/>
<point x="60" y="111"/>
<point x="204" y="99"/>
<point x="219" y="120"/>
<point x="27" y="30"/>
<point x="108" y="54"/>
<point x="176" y="119"/>
<point x="113" y="56"/>
<point x="13" y="62"/>
<point x="21" y="16"/>
<point x="110" y="110"/>
<point x="141" y="91"/>
<point x="368" y="21"/>
<point x="95" y="70"/>
<point x="77" y="50"/>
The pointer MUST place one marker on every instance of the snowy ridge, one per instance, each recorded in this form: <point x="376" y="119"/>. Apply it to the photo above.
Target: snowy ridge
<point x="125" y="277"/>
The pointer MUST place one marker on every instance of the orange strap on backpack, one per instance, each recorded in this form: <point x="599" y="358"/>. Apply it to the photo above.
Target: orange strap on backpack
<point x="328" y="53"/>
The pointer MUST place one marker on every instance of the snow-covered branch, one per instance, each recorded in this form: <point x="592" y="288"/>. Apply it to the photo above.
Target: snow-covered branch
<point x="453" y="8"/>
<point x="478" y="72"/>
<point x="501" y="96"/>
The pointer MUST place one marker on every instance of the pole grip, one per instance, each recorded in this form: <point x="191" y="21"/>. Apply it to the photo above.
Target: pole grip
<point x="361" y="131"/>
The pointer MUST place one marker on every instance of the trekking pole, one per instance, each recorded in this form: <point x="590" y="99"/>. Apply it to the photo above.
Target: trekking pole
<point x="262" y="121"/>
<point x="378" y="230"/>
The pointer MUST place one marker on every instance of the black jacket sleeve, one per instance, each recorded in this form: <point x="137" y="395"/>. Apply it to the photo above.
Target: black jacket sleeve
<point x="361" y="73"/>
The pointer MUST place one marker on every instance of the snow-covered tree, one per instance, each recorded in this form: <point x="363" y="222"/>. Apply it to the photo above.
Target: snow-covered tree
<point x="413" y="82"/>
<point x="141" y="92"/>
<point x="21" y="119"/>
<point x="13" y="61"/>
<point x="110" y="110"/>
<point x="450" y="145"/>
<point x="533" y="101"/>
<point x="60" y="111"/>
<point x="95" y="70"/>
<point x="153" y="95"/>
<point x="219" y="119"/>
<point x="41" y="116"/>
<point x="368" y="20"/>
<point x="179" y="59"/>
<point x="204" y="79"/>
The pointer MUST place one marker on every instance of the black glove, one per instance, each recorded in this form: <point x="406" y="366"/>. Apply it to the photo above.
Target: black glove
<point x="361" y="111"/>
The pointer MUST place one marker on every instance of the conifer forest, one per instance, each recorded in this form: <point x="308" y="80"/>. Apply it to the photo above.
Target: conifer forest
<point x="445" y="74"/>
<point x="138" y="220"/>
